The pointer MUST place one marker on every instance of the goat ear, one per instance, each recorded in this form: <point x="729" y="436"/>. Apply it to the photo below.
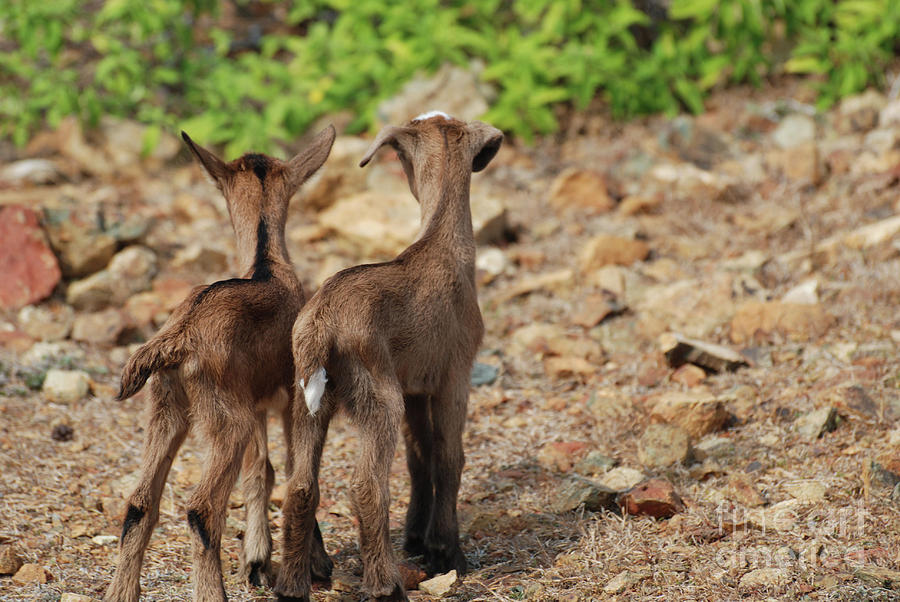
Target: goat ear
<point x="213" y="165"/>
<point x="393" y="135"/>
<point x="486" y="141"/>
<point x="307" y="162"/>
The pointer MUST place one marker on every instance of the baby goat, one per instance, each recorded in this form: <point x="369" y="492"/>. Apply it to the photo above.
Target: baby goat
<point x="389" y="340"/>
<point x="221" y="360"/>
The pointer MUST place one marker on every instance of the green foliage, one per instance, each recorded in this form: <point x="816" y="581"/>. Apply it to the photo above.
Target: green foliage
<point x="174" y="64"/>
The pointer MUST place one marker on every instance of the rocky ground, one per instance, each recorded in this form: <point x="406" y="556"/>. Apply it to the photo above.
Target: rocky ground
<point x="689" y="387"/>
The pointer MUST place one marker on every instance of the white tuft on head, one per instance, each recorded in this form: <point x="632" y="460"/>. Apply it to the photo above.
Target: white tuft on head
<point x="313" y="392"/>
<point x="431" y="114"/>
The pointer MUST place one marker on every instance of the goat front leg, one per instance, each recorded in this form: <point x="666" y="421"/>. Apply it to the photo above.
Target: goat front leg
<point x="166" y="431"/>
<point x="207" y="506"/>
<point x="370" y="494"/>
<point x="299" y="527"/>
<point x="418" y="436"/>
<point x="448" y="414"/>
<point x="258" y="477"/>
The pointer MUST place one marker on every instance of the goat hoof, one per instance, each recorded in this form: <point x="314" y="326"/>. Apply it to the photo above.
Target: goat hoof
<point x="398" y="594"/>
<point x="441" y="560"/>
<point x="321" y="566"/>
<point x="259" y="574"/>
<point x="282" y="598"/>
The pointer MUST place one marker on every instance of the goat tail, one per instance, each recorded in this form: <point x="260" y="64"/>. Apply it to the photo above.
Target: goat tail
<point x="158" y="353"/>
<point x="311" y="350"/>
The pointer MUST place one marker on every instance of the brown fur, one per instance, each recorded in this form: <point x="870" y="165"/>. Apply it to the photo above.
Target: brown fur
<point x="397" y="341"/>
<point x="221" y="360"/>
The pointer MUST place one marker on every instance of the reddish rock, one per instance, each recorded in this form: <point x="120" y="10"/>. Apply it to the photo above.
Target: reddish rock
<point x="30" y="270"/>
<point x="561" y="455"/>
<point x="30" y="574"/>
<point x="607" y="249"/>
<point x="411" y="575"/>
<point x="689" y="375"/>
<point x="653" y="497"/>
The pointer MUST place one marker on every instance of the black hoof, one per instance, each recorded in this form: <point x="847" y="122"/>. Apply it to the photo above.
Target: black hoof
<point x="443" y="560"/>
<point x="397" y="595"/>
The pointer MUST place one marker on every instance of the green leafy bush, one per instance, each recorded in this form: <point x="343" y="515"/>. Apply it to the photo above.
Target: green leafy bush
<point x="175" y="64"/>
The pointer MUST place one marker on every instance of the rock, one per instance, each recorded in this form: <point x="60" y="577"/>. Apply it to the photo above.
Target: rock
<point x="62" y="432"/>
<point x="816" y="423"/>
<point x="873" y="234"/>
<point x="560" y="455"/>
<point x="625" y="580"/>
<point x="882" y="142"/>
<point x="30" y="171"/>
<point x="698" y="414"/>
<point x="440" y="585"/>
<point x="596" y="308"/>
<point x="69" y="597"/>
<point x="759" y="320"/>
<point x="483" y="374"/>
<point x="42" y="354"/>
<point x="689" y="375"/>
<point x="130" y="271"/>
<point x="534" y="337"/>
<point x="383" y="223"/>
<point x="577" y="492"/>
<point x="9" y="561"/>
<point x="607" y="249"/>
<point x="859" y="113"/>
<point x="80" y="240"/>
<point x="550" y="280"/>
<point x="681" y="350"/>
<point x="105" y="540"/>
<point x="102" y="327"/>
<point x="744" y="492"/>
<point x="30" y="270"/>
<point x="808" y="492"/>
<point x="453" y="90"/>
<point x="47" y="322"/>
<point x="663" y="445"/>
<point x="65" y="386"/>
<point x="30" y="574"/>
<point x="854" y="400"/>
<point x="609" y="278"/>
<point x="639" y="204"/>
<point x="764" y="578"/>
<point x="580" y="189"/>
<point x="200" y="258"/>
<point x="695" y="307"/>
<point x="794" y="130"/>
<point x="686" y="181"/>
<point x="800" y="162"/>
<point x="594" y="464"/>
<point x="877" y="576"/>
<point x="566" y="367"/>
<point x="714" y="447"/>
<point x="805" y="293"/>
<point x="879" y="471"/>
<point x="411" y="575"/>
<point x="653" y="497"/>
<point x="622" y="478"/>
<point x="890" y="114"/>
<point x="492" y="261"/>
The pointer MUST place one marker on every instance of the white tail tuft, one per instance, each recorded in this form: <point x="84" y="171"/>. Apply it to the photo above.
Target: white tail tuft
<point x="313" y="392"/>
<point x="431" y="114"/>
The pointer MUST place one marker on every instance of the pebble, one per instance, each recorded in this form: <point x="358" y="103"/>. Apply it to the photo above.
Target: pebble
<point x="66" y="386"/>
<point x="440" y="585"/>
<point x="663" y="445"/>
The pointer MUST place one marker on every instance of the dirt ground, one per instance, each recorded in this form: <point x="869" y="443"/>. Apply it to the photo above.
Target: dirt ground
<point x="757" y="227"/>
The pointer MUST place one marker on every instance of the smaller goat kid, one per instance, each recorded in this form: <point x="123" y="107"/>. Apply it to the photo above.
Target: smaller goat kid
<point x="219" y="363"/>
<point x="389" y="340"/>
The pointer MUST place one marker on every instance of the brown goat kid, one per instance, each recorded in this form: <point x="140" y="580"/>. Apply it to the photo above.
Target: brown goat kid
<point x="219" y="363"/>
<point x="389" y="340"/>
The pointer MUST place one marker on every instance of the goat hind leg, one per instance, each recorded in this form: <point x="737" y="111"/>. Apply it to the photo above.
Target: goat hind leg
<point x="418" y="437"/>
<point x="448" y="412"/>
<point x="370" y="495"/>
<point x="257" y="479"/>
<point x="166" y="431"/>
<point x="208" y="504"/>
